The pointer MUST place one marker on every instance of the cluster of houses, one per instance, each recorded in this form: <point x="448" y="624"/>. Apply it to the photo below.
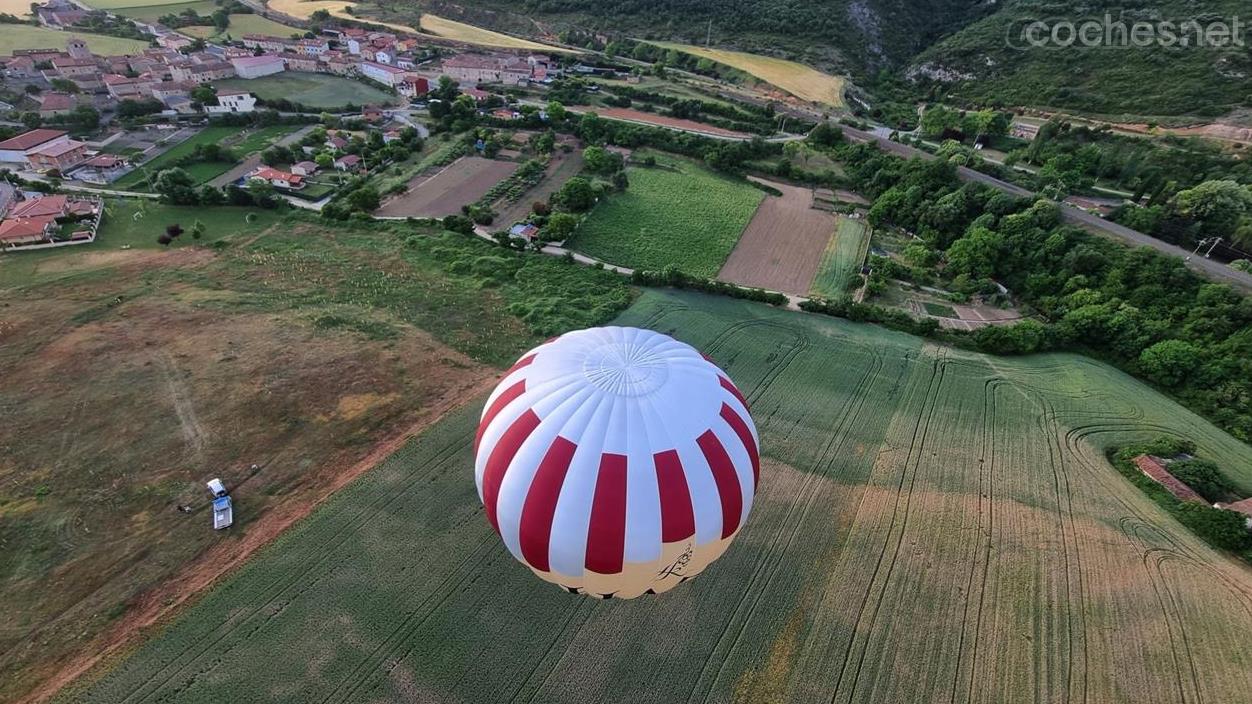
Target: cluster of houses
<point x="297" y="177"/>
<point x="32" y="220"/>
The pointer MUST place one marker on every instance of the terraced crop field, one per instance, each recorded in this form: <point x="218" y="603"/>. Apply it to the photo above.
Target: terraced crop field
<point x="933" y="525"/>
<point x="679" y="213"/>
<point x="844" y="255"/>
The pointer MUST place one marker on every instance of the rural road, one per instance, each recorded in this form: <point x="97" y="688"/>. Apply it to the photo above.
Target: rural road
<point x="1209" y="268"/>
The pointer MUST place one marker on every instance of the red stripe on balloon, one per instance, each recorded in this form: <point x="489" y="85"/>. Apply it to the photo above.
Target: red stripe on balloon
<point x="745" y="436"/>
<point x="523" y="362"/>
<point x="726" y="384"/>
<point x="500" y="458"/>
<point x="540" y="506"/>
<point x="606" y="533"/>
<point x="678" y="521"/>
<point x="726" y="479"/>
<point x="498" y="405"/>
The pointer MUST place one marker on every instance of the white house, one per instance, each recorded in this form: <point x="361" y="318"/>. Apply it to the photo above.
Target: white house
<point x="233" y="101"/>
<point x="257" y="66"/>
<point x="389" y="76"/>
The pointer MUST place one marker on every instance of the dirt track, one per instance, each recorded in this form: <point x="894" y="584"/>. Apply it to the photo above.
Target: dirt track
<point x="782" y="246"/>
<point x="460" y="183"/>
<point x="632" y="115"/>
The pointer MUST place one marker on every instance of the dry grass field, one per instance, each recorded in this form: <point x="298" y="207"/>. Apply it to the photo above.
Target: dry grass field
<point x="932" y="526"/>
<point x="782" y="245"/>
<point x="802" y="81"/>
<point x="278" y="354"/>
<point x="460" y="183"/>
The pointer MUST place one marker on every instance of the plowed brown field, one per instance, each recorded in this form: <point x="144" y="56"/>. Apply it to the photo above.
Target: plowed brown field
<point x="460" y="183"/>
<point x="783" y="244"/>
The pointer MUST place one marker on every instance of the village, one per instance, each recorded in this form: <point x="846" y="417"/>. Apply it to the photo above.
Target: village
<point x="79" y="121"/>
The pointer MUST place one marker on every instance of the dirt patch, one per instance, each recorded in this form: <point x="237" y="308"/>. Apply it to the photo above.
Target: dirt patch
<point x="782" y="246"/>
<point x="119" y="408"/>
<point x="647" y="118"/>
<point x="460" y="183"/>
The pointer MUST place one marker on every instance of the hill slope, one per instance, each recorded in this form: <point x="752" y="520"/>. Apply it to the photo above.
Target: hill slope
<point x="977" y="64"/>
<point x="844" y="34"/>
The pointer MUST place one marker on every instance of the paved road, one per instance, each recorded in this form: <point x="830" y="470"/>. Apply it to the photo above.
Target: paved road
<point x="1209" y="268"/>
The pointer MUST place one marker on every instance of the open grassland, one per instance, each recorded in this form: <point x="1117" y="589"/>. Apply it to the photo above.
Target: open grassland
<point x="151" y="13"/>
<point x="678" y="213"/>
<point x="24" y="36"/>
<point x="797" y="79"/>
<point x="242" y="142"/>
<point x="931" y="526"/>
<point x="316" y="90"/>
<point x="842" y="259"/>
<point x="241" y="24"/>
<point x="782" y="245"/>
<point x="134" y="372"/>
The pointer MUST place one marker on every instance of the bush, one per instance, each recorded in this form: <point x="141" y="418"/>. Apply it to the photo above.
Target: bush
<point x="671" y="276"/>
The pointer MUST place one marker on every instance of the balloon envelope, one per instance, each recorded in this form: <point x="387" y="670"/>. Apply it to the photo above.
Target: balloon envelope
<point x="616" y="461"/>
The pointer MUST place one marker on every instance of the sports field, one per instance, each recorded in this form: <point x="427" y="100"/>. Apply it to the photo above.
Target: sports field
<point x="678" y="213"/>
<point x="25" y="36"/>
<point x="316" y="90"/>
<point x="801" y="81"/>
<point x="241" y="24"/>
<point x="932" y="526"/>
<point x="842" y="259"/>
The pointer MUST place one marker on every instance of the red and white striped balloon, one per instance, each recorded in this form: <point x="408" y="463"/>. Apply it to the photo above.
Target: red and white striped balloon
<point x="616" y="461"/>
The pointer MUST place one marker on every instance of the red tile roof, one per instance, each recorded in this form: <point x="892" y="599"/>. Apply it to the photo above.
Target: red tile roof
<point x="24" y="228"/>
<point x="1154" y="468"/>
<point x="1244" y="507"/>
<point x="47" y="206"/>
<point x="30" y="139"/>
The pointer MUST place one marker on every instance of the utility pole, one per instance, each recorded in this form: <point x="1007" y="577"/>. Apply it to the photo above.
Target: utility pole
<point x="708" y="38"/>
<point x="1214" y="246"/>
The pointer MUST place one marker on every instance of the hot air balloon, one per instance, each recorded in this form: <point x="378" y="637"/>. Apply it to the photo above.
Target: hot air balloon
<point x="616" y="461"/>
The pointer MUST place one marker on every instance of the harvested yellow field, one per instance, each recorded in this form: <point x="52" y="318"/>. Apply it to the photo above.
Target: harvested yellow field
<point x="303" y="9"/>
<point x="461" y="32"/>
<point x="430" y="24"/>
<point x="17" y="8"/>
<point x="797" y="79"/>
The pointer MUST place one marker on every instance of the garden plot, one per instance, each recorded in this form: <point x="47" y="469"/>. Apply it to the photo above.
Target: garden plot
<point x="460" y="183"/>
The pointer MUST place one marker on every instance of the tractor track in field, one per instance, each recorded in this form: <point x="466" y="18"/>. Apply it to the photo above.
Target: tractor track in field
<point x="903" y="494"/>
<point x="1051" y="429"/>
<point x="803" y="503"/>
<point x="986" y="509"/>
<point x="552" y="648"/>
<point x="414" y="617"/>
<point x="293" y="577"/>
